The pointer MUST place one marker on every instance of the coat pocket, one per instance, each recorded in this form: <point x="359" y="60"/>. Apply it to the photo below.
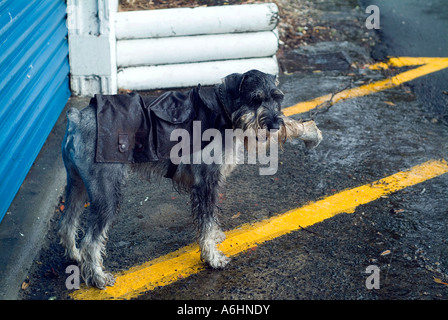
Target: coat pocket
<point x="172" y="110"/>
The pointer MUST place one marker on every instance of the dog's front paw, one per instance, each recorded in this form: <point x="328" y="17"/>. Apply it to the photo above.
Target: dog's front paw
<point x="101" y="282"/>
<point x="218" y="260"/>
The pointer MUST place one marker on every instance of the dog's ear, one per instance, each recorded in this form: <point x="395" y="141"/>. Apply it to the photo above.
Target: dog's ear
<point x="232" y="84"/>
<point x="230" y="91"/>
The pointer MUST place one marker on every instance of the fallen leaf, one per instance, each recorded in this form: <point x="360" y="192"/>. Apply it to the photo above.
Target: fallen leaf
<point x="385" y="253"/>
<point x="236" y="215"/>
<point x="390" y="103"/>
<point x="25" y="284"/>
<point x="251" y="250"/>
<point x="61" y="207"/>
<point x="437" y="280"/>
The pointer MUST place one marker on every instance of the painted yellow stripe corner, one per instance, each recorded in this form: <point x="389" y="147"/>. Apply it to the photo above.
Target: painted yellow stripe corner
<point x="186" y="261"/>
<point x="427" y="66"/>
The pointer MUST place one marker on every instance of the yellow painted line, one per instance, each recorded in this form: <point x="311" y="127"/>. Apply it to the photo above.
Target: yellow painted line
<point x="427" y="65"/>
<point x="186" y="261"/>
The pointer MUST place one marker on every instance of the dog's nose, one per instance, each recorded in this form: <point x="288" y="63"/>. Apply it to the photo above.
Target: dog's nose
<point x="273" y="126"/>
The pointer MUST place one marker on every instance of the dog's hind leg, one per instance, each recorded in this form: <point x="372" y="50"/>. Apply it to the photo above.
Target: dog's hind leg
<point x="105" y="193"/>
<point x="75" y="199"/>
<point x="76" y="194"/>
<point x="204" y="196"/>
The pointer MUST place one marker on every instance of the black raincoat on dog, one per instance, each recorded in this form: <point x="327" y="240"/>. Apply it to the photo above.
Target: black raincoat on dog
<point x="133" y="128"/>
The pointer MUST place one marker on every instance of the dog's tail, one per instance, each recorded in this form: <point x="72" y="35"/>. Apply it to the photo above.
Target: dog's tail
<point x="73" y="122"/>
<point x="73" y="117"/>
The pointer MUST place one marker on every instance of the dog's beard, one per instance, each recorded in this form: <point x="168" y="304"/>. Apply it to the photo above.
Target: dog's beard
<point x="255" y="121"/>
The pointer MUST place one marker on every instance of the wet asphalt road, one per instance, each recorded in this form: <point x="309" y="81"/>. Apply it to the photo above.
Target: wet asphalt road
<point x="365" y="139"/>
<point x="415" y="28"/>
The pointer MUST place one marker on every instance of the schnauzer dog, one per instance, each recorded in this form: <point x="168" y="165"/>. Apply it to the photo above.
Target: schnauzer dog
<point x="246" y="101"/>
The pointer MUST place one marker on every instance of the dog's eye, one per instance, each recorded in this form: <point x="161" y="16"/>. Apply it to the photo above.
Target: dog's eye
<point x="258" y="96"/>
<point x="277" y="95"/>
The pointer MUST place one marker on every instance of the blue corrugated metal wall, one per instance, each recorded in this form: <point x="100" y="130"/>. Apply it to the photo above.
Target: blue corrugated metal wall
<point x="34" y="84"/>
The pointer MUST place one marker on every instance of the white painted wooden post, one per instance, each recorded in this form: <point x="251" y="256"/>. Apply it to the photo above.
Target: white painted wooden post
<point x="166" y="48"/>
<point x="195" y="21"/>
<point x="190" y="74"/>
<point x="92" y="46"/>
<point x="182" y="47"/>
<point x="188" y="49"/>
